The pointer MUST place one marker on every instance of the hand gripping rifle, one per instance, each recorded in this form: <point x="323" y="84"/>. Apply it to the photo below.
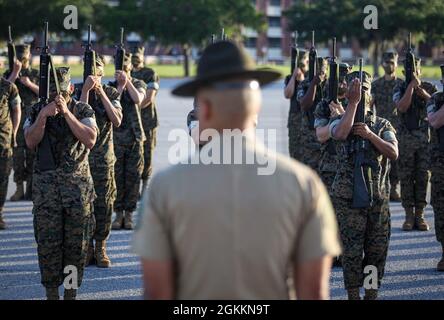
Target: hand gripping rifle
<point x="294" y="53"/>
<point x="333" y="78"/>
<point x="362" y="197"/>
<point x="312" y="59"/>
<point x="120" y="52"/>
<point x="44" y="149"/>
<point x="11" y="50"/>
<point x="89" y="58"/>
<point x="412" y="117"/>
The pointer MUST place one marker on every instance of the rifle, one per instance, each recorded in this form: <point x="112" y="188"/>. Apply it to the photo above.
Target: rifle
<point x="120" y="52"/>
<point x="333" y="78"/>
<point x="409" y="64"/>
<point x="213" y="39"/>
<point x="412" y="116"/>
<point x="294" y="53"/>
<point x="361" y="193"/>
<point x="11" y="50"/>
<point x="44" y="149"/>
<point x="312" y="58"/>
<point x="441" y="130"/>
<point x="89" y="58"/>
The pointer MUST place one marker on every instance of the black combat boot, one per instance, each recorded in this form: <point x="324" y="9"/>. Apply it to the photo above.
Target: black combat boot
<point x="353" y="294"/>
<point x="90" y="259"/>
<point x="28" y="193"/>
<point x="70" y="294"/>
<point x="118" y="221"/>
<point x="19" y="194"/>
<point x="371" y="294"/>
<point x="409" y="222"/>
<point x="420" y="223"/>
<point x="2" y="222"/>
<point x="128" y="222"/>
<point x="52" y="294"/>
<point x="440" y="266"/>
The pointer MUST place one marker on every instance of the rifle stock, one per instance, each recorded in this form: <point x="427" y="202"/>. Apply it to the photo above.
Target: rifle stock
<point x="361" y="194"/>
<point x="312" y="58"/>
<point x="11" y="50"/>
<point x="45" y="154"/>
<point x="120" y="52"/>
<point x="333" y="78"/>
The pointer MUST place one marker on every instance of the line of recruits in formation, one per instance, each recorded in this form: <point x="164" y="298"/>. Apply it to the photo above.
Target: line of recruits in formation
<point x="102" y="149"/>
<point x="74" y="202"/>
<point x="313" y="131"/>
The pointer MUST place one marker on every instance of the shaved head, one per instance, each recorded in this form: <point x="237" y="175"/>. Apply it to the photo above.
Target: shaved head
<point x="233" y="108"/>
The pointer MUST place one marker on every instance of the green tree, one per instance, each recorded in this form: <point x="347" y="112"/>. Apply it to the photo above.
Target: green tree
<point x="191" y="22"/>
<point x="424" y="18"/>
<point x="28" y="16"/>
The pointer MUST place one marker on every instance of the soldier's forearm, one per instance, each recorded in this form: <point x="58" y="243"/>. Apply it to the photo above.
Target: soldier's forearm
<point x="404" y="103"/>
<point x="34" y="88"/>
<point x="149" y="98"/>
<point x="308" y="99"/>
<point x="114" y="114"/>
<point x="323" y="134"/>
<point x="343" y="129"/>
<point x="387" y="149"/>
<point x="436" y="119"/>
<point x="34" y="134"/>
<point x="135" y="95"/>
<point x="289" y="89"/>
<point x="85" y="134"/>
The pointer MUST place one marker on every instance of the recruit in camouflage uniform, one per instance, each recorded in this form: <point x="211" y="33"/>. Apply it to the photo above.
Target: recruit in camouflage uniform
<point x="295" y="113"/>
<point x="328" y="165"/>
<point x="365" y="233"/>
<point x="9" y="122"/>
<point x="63" y="197"/>
<point x="309" y="145"/>
<point x="149" y="111"/>
<point x="382" y="94"/>
<point x="105" y="102"/>
<point x="128" y="146"/>
<point x="435" y="112"/>
<point x="27" y="83"/>
<point x="414" y="156"/>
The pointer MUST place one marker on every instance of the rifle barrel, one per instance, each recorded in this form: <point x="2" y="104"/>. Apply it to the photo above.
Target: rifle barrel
<point x="10" y="33"/>
<point x="360" y="70"/>
<point x="334" y="47"/>
<point x="312" y="38"/>
<point x="89" y="34"/>
<point x="121" y="35"/>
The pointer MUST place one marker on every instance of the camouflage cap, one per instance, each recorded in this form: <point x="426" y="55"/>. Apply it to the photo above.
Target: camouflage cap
<point x="22" y="50"/>
<point x="64" y="78"/>
<point x="138" y="50"/>
<point x="100" y="61"/>
<point x="344" y="69"/>
<point x="127" y="59"/>
<point x="390" y="56"/>
<point x="366" y="78"/>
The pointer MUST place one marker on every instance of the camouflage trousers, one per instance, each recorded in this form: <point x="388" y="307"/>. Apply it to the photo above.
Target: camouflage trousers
<point x="310" y="149"/>
<point x="413" y="166"/>
<point x="23" y="159"/>
<point x="148" y="149"/>
<point x="438" y="198"/>
<point x="394" y="173"/>
<point x="105" y="188"/>
<point x="63" y="225"/>
<point x="365" y="235"/>
<point x="294" y="135"/>
<point x="327" y="178"/>
<point x="128" y="170"/>
<point x="5" y="171"/>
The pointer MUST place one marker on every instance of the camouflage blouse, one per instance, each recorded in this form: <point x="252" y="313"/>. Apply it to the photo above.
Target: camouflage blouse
<point x="382" y="93"/>
<point x="437" y="136"/>
<point x="70" y="155"/>
<point x="343" y="184"/>
<point x="149" y="114"/>
<point x="9" y="99"/>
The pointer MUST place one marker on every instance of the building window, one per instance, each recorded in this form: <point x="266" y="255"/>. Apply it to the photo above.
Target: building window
<point x="274" y="42"/>
<point x="276" y="3"/>
<point x="250" y="43"/>
<point x="274" y="22"/>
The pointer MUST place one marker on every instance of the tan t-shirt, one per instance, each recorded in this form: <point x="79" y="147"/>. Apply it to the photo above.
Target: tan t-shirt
<point x="232" y="232"/>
